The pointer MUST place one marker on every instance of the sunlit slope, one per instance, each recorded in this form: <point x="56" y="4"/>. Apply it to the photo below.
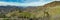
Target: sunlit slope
<point x="53" y="9"/>
<point x="54" y="12"/>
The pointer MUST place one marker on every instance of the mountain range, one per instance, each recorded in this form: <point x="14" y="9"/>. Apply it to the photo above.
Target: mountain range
<point x="38" y="11"/>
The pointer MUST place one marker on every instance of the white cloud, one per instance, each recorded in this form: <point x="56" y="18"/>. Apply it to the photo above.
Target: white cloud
<point x="7" y="3"/>
<point x="39" y="3"/>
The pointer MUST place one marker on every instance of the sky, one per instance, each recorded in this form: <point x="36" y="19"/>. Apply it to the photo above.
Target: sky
<point x="25" y="2"/>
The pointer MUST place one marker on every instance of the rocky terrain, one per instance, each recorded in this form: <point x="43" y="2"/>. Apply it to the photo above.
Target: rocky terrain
<point x="50" y="11"/>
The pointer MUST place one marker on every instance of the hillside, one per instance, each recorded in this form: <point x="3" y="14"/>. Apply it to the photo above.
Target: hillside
<point x="6" y="9"/>
<point x="50" y="11"/>
<point x="54" y="10"/>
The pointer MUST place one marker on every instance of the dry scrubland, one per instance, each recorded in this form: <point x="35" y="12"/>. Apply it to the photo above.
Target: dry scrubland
<point x="54" y="12"/>
<point x="50" y="11"/>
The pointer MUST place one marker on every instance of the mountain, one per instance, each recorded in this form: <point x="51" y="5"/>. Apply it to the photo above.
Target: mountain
<point x="8" y="8"/>
<point x="52" y="4"/>
<point x="53" y="9"/>
<point x="50" y="9"/>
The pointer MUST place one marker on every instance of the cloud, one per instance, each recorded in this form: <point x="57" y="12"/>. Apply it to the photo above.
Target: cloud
<point x="37" y="3"/>
<point x="28" y="1"/>
<point x="7" y="3"/>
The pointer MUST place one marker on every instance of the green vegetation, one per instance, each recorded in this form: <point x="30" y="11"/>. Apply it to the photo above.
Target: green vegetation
<point x="18" y="14"/>
<point x="52" y="12"/>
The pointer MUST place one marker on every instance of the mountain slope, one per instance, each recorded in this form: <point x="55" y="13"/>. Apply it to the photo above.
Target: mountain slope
<point x="48" y="11"/>
<point x="54" y="10"/>
<point x="6" y="9"/>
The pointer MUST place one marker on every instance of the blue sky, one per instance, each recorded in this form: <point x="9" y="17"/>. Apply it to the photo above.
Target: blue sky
<point x="19" y="1"/>
<point x="25" y="2"/>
